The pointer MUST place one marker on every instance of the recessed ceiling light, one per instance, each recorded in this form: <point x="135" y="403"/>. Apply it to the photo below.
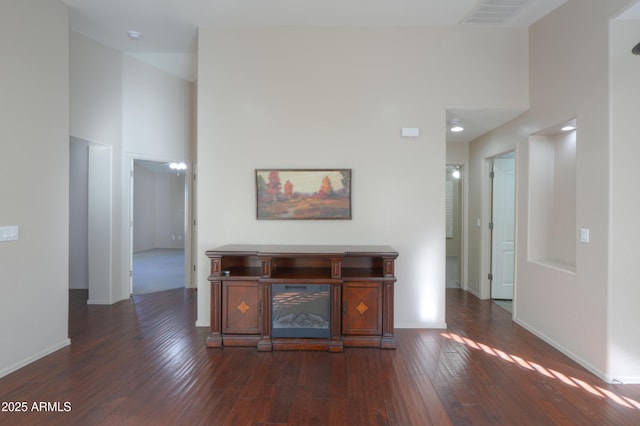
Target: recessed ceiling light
<point x="134" y="35"/>
<point x="455" y="126"/>
<point x="568" y="128"/>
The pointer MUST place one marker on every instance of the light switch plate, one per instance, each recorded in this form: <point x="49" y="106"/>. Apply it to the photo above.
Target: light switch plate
<point x="584" y="235"/>
<point x="9" y="233"/>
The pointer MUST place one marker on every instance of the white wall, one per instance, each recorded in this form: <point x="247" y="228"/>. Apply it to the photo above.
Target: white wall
<point x="552" y="200"/>
<point x="78" y="214"/>
<point x="454" y="241"/>
<point x="96" y="116"/>
<point x="137" y="111"/>
<point x="331" y="97"/>
<point x="624" y="315"/>
<point x="569" y="75"/>
<point x="563" y="230"/>
<point x="157" y="112"/>
<point x="159" y="210"/>
<point x="34" y="180"/>
<point x="170" y="211"/>
<point x="144" y="208"/>
<point x="458" y="153"/>
<point x="479" y="208"/>
<point x="158" y="124"/>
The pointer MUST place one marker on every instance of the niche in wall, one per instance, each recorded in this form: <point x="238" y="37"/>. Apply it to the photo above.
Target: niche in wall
<point x="552" y="197"/>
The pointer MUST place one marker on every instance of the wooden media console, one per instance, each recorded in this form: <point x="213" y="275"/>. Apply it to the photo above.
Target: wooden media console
<point x="294" y="297"/>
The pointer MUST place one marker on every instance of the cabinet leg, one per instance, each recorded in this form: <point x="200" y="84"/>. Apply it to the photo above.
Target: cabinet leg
<point x="265" y="345"/>
<point x="214" y="340"/>
<point x="335" y="346"/>
<point x="388" y="342"/>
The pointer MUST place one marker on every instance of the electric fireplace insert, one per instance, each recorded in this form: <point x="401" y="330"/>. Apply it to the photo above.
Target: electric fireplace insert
<point x="300" y="310"/>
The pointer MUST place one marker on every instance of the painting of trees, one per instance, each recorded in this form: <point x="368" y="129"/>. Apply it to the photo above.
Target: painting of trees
<point x="274" y="185"/>
<point x="306" y="194"/>
<point x="326" y="190"/>
<point x="288" y="189"/>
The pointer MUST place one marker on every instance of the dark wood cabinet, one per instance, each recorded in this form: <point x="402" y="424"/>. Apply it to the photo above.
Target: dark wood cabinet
<point x="302" y="297"/>
<point x="362" y="308"/>
<point x="241" y="307"/>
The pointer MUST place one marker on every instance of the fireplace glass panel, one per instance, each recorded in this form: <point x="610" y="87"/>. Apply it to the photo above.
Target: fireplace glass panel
<point x="300" y="310"/>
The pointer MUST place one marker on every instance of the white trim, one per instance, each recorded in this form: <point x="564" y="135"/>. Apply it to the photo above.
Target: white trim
<point x="101" y="302"/>
<point x="474" y="292"/>
<point x="189" y="214"/>
<point x="429" y="325"/>
<point x="600" y="374"/>
<point x="33" y="358"/>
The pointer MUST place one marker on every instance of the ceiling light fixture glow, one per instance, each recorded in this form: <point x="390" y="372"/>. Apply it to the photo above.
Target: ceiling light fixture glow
<point x="134" y="35"/>
<point x="455" y="126"/>
<point x="568" y="128"/>
<point x="178" y="166"/>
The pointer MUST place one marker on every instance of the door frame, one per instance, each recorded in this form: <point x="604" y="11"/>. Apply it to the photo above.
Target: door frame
<point x="485" y="254"/>
<point x="492" y="263"/>
<point x="189" y="274"/>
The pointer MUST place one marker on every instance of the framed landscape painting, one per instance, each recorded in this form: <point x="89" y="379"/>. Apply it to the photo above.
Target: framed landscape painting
<point x="303" y="194"/>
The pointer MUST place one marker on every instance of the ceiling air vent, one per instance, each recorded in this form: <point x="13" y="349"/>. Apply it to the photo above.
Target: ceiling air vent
<point x="495" y="11"/>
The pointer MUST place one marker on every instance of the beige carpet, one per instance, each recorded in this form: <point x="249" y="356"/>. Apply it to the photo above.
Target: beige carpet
<point x="158" y="270"/>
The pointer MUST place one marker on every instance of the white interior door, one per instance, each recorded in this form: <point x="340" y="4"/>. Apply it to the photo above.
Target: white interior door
<point x="503" y="237"/>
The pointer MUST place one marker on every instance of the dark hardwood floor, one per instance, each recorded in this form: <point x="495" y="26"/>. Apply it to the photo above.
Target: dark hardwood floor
<point x="143" y="361"/>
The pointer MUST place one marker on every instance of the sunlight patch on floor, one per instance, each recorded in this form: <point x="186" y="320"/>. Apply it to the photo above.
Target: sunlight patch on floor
<point x="548" y="372"/>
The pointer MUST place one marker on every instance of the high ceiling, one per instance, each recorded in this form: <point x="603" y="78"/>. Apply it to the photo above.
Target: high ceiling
<point x="169" y="27"/>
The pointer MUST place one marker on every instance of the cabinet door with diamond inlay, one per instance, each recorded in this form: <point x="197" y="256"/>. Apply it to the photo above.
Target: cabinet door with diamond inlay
<point x="240" y="307"/>
<point x="362" y="308"/>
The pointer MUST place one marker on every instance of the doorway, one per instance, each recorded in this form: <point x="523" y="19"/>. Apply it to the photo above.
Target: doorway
<point x="453" y="223"/>
<point x="159" y="235"/>
<point x="90" y="219"/>
<point x="502" y="226"/>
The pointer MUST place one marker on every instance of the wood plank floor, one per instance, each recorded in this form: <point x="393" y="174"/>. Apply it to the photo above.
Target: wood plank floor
<point x="143" y="361"/>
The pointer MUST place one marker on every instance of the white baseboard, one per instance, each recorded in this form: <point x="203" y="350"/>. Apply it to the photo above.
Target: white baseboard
<point x="29" y="360"/>
<point x="99" y="302"/>
<point x="475" y="293"/>
<point x="596" y="371"/>
<point x="625" y="380"/>
<point x="436" y="325"/>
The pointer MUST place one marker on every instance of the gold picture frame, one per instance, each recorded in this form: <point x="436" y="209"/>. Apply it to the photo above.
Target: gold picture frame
<point x="303" y="194"/>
